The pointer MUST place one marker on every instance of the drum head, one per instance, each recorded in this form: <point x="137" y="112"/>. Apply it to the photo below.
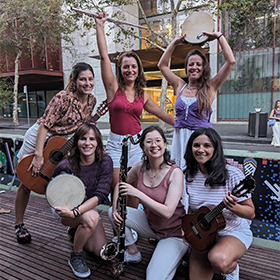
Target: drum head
<point x="194" y="26"/>
<point x="65" y="190"/>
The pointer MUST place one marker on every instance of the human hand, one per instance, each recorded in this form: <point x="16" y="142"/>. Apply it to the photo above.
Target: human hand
<point x="212" y="35"/>
<point x="36" y="164"/>
<point x="127" y="189"/>
<point x="179" y="40"/>
<point x="230" y="200"/>
<point x="64" y="212"/>
<point x="101" y="17"/>
<point x="184" y="238"/>
<point x="117" y="218"/>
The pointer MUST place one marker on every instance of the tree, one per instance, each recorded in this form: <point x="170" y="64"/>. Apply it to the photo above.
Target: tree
<point x="153" y="37"/>
<point x="249" y="23"/>
<point x="35" y="24"/>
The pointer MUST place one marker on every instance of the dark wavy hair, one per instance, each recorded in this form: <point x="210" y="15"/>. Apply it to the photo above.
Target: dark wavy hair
<point x="204" y="88"/>
<point x="275" y="105"/>
<point x="216" y="166"/>
<point x="166" y="156"/>
<point x="140" y="81"/>
<point x="76" y="70"/>
<point x="75" y="157"/>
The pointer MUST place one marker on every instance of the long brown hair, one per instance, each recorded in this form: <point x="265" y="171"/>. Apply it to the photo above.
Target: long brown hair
<point x="75" y="157"/>
<point x="205" y="91"/>
<point x="275" y="106"/>
<point x="140" y="81"/>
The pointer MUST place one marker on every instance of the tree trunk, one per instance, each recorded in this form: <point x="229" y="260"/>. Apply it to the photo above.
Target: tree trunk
<point x="16" y="81"/>
<point x="164" y="85"/>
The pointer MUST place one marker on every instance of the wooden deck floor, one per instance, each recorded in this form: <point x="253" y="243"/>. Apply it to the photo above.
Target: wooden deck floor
<point x="46" y="256"/>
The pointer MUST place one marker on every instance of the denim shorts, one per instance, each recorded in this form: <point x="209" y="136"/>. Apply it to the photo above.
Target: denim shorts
<point x="114" y="149"/>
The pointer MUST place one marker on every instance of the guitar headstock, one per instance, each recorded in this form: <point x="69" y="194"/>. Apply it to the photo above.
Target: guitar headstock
<point x="102" y="108"/>
<point x="245" y="186"/>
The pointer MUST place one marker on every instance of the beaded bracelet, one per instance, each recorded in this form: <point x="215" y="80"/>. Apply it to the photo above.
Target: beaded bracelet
<point x="76" y="212"/>
<point x="220" y="36"/>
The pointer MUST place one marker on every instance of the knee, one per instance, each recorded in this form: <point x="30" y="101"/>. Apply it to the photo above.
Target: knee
<point x="90" y="219"/>
<point x="220" y="262"/>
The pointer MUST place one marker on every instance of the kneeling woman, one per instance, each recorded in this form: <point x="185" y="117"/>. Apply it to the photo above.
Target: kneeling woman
<point x="95" y="169"/>
<point x="159" y="188"/>
<point x="210" y="180"/>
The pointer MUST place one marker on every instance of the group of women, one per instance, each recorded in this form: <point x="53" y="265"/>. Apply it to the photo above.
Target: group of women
<point x="154" y="179"/>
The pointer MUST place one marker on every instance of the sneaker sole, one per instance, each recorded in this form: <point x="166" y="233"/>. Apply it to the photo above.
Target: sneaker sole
<point x="81" y="275"/>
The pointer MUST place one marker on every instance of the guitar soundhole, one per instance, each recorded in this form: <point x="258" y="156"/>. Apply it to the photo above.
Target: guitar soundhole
<point x="56" y="156"/>
<point x="204" y="225"/>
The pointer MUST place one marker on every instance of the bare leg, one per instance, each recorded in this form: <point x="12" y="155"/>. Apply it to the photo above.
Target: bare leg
<point x="224" y="255"/>
<point x="96" y="240"/>
<point x="199" y="266"/>
<point x="21" y="201"/>
<point x="86" y="225"/>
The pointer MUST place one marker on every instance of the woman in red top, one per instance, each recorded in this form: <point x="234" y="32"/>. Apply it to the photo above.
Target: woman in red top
<point x="126" y="100"/>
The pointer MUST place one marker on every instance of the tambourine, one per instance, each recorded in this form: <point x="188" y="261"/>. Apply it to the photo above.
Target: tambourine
<point x="194" y="26"/>
<point x="66" y="191"/>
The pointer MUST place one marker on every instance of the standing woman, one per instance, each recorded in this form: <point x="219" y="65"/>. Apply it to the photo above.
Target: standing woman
<point x="95" y="168"/>
<point x="66" y="111"/>
<point x="126" y="100"/>
<point x="210" y="180"/>
<point x="159" y="188"/>
<point x="275" y="114"/>
<point x="194" y="97"/>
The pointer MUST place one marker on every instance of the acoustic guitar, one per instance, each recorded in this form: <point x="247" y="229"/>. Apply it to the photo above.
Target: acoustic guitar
<point x="56" y="149"/>
<point x="201" y="228"/>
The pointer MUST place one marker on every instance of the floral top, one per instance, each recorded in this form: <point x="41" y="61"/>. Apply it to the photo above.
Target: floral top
<point x="63" y="114"/>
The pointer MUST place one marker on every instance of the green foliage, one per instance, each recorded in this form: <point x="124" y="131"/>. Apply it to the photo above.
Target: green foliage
<point x="250" y="22"/>
<point x="6" y="92"/>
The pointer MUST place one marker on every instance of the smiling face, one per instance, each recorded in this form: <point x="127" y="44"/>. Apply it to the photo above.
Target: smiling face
<point x="87" y="145"/>
<point x="85" y="82"/>
<point x="194" y="67"/>
<point x="154" y="145"/>
<point x="203" y="150"/>
<point x="129" y="69"/>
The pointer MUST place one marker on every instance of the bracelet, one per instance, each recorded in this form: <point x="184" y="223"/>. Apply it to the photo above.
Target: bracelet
<point x="76" y="212"/>
<point x="220" y="36"/>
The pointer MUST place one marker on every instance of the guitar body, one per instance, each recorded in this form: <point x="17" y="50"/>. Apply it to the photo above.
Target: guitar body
<point x="198" y="232"/>
<point x="52" y="156"/>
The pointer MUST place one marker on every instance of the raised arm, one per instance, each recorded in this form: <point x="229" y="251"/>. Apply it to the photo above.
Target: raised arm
<point x="108" y="78"/>
<point x="163" y="65"/>
<point x="223" y="73"/>
<point x="151" y="107"/>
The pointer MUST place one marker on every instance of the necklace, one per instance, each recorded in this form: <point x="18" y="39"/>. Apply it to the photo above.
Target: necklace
<point x="153" y="177"/>
<point x="191" y="88"/>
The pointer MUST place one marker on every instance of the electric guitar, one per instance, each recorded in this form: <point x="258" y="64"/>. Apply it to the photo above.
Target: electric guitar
<point x="201" y="228"/>
<point x="56" y="149"/>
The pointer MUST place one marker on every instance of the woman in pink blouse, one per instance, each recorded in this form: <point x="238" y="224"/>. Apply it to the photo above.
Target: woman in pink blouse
<point x="67" y="110"/>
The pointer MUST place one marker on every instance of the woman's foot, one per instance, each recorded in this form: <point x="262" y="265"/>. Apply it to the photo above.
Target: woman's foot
<point x="23" y="236"/>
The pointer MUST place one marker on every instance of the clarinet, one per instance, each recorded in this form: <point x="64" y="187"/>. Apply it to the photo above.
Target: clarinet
<point x="111" y="250"/>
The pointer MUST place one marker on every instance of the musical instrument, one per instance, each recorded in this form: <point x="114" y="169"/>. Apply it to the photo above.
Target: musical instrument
<point x="201" y="228"/>
<point x="116" y="21"/>
<point x="56" y="149"/>
<point x="66" y="191"/>
<point x="115" y="251"/>
<point x="194" y="26"/>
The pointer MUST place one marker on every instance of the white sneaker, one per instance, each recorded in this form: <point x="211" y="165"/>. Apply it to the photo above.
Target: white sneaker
<point x="232" y="276"/>
<point x="136" y="258"/>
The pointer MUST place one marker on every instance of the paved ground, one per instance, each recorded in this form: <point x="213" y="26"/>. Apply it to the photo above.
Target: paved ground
<point x="235" y="135"/>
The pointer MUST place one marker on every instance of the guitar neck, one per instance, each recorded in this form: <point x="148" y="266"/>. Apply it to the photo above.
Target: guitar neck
<point x="95" y="118"/>
<point x="215" y="212"/>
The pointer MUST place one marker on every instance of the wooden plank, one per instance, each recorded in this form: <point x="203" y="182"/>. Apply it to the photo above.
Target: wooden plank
<point x="46" y="257"/>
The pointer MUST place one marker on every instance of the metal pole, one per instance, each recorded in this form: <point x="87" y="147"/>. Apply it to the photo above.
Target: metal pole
<point x="27" y="107"/>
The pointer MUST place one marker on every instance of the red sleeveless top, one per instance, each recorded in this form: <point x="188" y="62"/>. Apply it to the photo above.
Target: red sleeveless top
<point x="161" y="226"/>
<point x="125" y="115"/>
